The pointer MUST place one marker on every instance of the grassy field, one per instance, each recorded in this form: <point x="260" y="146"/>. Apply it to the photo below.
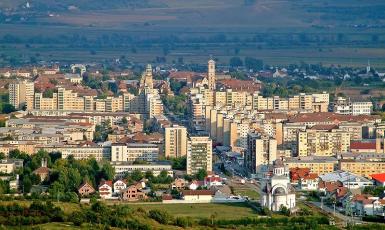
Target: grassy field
<point x="225" y="211"/>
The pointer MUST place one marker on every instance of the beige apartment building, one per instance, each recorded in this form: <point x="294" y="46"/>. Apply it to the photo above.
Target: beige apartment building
<point x="21" y="94"/>
<point x="362" y="167"/>
<point x="261" y="150"/>
<point x="199" y="154"/>
<point x="322" y="143"/>
<point x="175" y="141"/>
<point x="319" y="165"/>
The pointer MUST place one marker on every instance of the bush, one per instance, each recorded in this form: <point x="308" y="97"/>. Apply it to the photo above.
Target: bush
<point x="184" y="222"/>
<point x="159" y="215"/>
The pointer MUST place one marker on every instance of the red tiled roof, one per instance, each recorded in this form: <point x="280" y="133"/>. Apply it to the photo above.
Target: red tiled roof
<point x="362" y="145"/>
<point x="331" y="117"/>
<point x="107" y="182"/>
<point x="380" y="177"/>
<point x="324" y="127"/>
<point x="240" y="85"/>
<point x="197" y="192"/>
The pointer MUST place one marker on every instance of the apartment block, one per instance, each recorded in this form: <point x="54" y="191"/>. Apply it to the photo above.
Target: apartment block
<point x="199" y="154"/>
<point x="134" y="152"/>
<point x="261" y="151"/>
<point x="322" y="143"/>
<point x="175" y="141"/>
<point x="21" y="94"/>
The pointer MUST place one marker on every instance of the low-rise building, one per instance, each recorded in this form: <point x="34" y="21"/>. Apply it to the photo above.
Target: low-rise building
<point x="105" y="189"/>
<point x="86" y="189"/>
<point x="347" y="179"/>
<point x="119" y="185"/>
<point x="121" y="168"/>
<point x="204" y="196"/>
<point x="10" y="165"/>
<point x="132" y="193"/>
<point x="318" y="165"/>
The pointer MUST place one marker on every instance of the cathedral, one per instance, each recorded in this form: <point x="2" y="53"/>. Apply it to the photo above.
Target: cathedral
<point x="277" y="191"/>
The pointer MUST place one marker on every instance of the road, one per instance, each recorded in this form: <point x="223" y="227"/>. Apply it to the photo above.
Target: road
<point x="337" y="214"/>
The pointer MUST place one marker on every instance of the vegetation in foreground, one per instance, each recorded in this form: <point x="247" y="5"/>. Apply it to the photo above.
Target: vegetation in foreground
<point x="101" y="216"/>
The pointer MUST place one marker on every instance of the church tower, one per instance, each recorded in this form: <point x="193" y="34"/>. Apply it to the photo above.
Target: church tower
<point x="146" y="80"/>
<point x="211" y="74"/>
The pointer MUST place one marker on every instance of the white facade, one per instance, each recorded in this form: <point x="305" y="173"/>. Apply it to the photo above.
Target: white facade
<point x="277" y="190"/>
<point x="133" y="152"/>
<point x="119" y="185"/>
<point x="81" y="153"/>
<point x="121" y="168"/>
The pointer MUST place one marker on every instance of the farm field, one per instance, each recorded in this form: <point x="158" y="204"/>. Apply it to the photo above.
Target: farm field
<point x="345" y="32"/>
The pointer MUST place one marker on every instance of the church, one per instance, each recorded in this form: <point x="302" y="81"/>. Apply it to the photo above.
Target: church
<point x="277" y="191"/>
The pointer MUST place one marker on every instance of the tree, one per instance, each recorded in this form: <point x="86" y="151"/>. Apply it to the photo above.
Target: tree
<point x="254" y="64"/>
<point x="108" y="172"/>
<point x="27" y="185"/>
<point x="201" y="174"/>
<point x="2" y="156"/>
<point x="8" y="108"/>
<point x="235" y="62"/>
<point x="136" y="175"/>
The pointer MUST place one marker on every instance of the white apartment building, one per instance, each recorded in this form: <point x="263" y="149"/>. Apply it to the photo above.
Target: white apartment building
<point x="132" y="152"/>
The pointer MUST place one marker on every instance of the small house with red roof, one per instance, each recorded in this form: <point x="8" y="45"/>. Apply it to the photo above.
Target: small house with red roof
<point x="43" y="172"/>
<point x="85" y="189"/>
<point x="105" y="189"/>
<point x="366" y="205"/>
<point x="379" y="179"/>
<point x="212" y="180"/>
<point x="304" y="179"/>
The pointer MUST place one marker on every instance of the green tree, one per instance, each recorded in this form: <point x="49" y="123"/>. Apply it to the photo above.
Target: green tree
<point x="136" y="175"/>
<point x="8" y="108"/>
<point x="201" y="174"/>
<point x="254" y="64"/>
<point x="108" y="172"/>
<point x="235" y="62"/>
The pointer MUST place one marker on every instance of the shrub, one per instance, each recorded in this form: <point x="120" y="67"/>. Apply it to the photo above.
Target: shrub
<point x="159" y="215"/>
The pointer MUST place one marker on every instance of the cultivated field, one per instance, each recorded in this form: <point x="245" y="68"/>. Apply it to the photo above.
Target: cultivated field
<point x="346" y="32"/>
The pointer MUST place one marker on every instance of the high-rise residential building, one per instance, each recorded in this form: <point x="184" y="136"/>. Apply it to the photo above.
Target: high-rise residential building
<point x="322" y="142"/>
<point x="211" y="74"/>
<point x="175" y="141"/>
<point x="199" y="154"/>
<point x="261" y="151"/>
<point x="21" y="94"/>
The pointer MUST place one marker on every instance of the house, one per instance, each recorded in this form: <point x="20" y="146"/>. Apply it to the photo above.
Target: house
<point x="43" y="171"/>
<point x="179" y="183"/>
<point x="198" y="195"/>
<point x="119" y="185"/>
<point x="85" y="189"/>
<point x="212" y="180"/>
<point x="304" y="179"/>
<point x="363" y="204"/>
<point x="105" y="189"/>
<point x="379" y="179"/>
<point x="194" y="185"/>
<point x="132" y="193"/>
